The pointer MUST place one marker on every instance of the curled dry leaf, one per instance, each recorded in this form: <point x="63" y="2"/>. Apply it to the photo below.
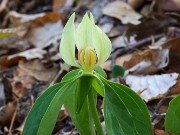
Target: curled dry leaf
<point x="38" y="70"/>
<point x="35" y="53"/>
<point x="22" y="82"/>
<point x="122" y="11"/>
<point x="151" y="86"/>
<point x="147" y="61"/>
<point x="29" y="54"/>
<point x="42" y="29"/>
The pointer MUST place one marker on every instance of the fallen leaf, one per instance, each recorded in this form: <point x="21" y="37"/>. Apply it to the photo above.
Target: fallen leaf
<point x="174" y="54"/>
<point x="29" y="54"/>
<point x="44" y="36"/>
<point x="135" y="3"/>
<point x="43" y="29"/>
<point x="122" y="11"/>
<point x="176" y="88"/>
<point x="6" y="113"/>
<point x="144" y="62"/>
<point x="151" y="86"/>
<point x="38" y="70"/>
<point x="22" y="82"/>
<point x="170" y="5"/>
<point x="11" y="60"/>
<point x="160" y="132"/>
<point x="57" y="4"/>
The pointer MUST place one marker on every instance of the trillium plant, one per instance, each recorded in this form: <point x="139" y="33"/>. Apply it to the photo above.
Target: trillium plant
<point x="124" y="111"/>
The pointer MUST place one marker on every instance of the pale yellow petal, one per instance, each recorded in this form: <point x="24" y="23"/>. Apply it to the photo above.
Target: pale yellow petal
<point x="67" y="45"/>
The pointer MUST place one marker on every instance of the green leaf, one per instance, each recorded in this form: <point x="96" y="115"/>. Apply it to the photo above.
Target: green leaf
<point x="124" y="111"/>
<point x="49" y="119"/>
<point x="172" y="119"/>
<point x="38" y="110"/>
<point x="82" y="90"/>
<point x="118" y="71"/>
<point x="45" y="105"/>
<point x="82" y="120"/>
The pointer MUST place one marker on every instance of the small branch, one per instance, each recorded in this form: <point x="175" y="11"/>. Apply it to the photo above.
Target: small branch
<point x="159" y="104"/>
<point x="56" y="77"/>
<point x="139" y="44"/>
<point x="13" y="119"/>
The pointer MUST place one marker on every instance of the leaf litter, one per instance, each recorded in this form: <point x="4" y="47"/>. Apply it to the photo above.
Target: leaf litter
<point x="145" y="38"/>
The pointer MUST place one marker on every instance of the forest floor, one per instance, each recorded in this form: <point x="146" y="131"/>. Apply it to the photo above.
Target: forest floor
<point x="145" y="36"/>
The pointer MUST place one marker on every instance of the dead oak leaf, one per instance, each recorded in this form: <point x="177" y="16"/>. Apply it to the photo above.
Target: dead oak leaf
<point x="38" y="70"/>
<point x="123" y="12"/>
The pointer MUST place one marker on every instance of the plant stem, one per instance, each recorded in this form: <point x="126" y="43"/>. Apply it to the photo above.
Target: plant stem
<point x="94" y="113"/>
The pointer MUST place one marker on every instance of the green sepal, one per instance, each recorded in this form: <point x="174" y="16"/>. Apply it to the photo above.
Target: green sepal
<point x="100" y="71"/>
<point x="98" y="86"/>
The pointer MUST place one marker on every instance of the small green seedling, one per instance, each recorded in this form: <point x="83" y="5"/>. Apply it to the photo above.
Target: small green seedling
<point x="124" y="111"/>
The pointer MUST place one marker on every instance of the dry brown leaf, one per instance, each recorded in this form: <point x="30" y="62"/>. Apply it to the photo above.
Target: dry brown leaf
<point x="168" y="5"/>
<point x="57" y="4"/>
<point x="147" y="61"/>
<point x="29" y="54"/>
<point x="11" y="60"/>
<point x="122" y="11"/>
<point x="41" y="29"/>
<point x="22" y="82"/>
<point x="151" y="86"/>
<point x="174" y="55"/>
<point x="176" y="88"/>
<point x="160" y="132"/>
<point x="6" y="113"/>
<point x="35" y="19"/>
<point x="135" y="3"/>
<point x="38" y="70"/>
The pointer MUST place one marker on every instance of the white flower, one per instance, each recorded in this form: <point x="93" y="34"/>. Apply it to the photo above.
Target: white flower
<point x="94" y="47"/>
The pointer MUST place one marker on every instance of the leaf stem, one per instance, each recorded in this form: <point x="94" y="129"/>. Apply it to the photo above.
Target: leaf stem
<point x="94" y="113"/>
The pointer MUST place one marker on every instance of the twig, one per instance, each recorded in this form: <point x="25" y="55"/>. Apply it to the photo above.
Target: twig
<point x="56" y="77"/>
<point x="159" y="104"/>
<point x="139" y="44"/>
<point x="13" y="119"/>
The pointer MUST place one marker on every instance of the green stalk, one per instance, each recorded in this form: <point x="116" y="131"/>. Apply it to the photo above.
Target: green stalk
<point x="94" y="113"/>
